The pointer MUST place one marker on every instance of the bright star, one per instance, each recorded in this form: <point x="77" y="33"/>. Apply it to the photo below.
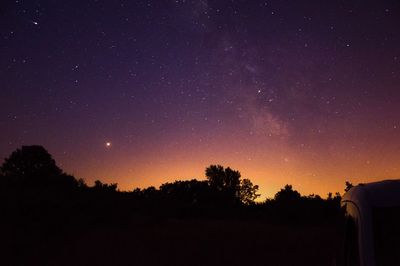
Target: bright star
<point x="108" y="144"/>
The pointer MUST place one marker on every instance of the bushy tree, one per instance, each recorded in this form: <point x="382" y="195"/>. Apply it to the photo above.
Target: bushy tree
<point x="229" y="184"/>
<point x="287" y="194"/>
<point x="30" y="162"/>
<point x="224" y="182"/>
<point x="248" y="191"/>
<point x="190" y="191"/>
<point x="33" y="166"/>
<point x="223" y="179"/>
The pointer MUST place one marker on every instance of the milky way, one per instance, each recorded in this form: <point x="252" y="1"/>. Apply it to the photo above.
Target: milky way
<point x="144" y="92"/>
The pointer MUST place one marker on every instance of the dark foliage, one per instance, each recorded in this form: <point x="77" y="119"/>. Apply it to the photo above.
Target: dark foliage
<point x="287" y="195"/>
<point x="191" y="192"/>
<point x="248" y="192"/>
<point x="39" y="199"/>
<point x="228" y="188"/>
<point x="30" y="177"/>
<point x="348" y="186"/>
<point x="34" y="167"/>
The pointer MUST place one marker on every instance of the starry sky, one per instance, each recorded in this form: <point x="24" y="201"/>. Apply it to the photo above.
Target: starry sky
<point x="145" y="92"/>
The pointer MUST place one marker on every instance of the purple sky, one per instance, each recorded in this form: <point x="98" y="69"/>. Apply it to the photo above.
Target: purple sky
<point x="299" y="92"/>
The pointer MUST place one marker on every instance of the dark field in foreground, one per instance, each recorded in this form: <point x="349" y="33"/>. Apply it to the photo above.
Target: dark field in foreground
<point x="51" y="218"/>
<point x="185" y="242"/>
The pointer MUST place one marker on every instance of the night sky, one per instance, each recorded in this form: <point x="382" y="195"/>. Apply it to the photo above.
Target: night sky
<point x="145" y="92"/>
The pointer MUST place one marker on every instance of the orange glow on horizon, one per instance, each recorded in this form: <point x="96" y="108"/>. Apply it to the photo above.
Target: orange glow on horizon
<point x="310" y="172"/>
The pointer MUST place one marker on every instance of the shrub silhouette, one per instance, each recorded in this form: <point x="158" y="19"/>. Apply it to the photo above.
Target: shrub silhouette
<point x="106" y="188"/>
<point x="189" y="192"/>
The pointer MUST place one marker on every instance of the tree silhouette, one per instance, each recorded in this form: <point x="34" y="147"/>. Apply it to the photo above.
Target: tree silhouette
<point x="248" y="191"/>
<point x="223" y="179"/>
<point x="224" y="182"/>
<point x="149" y="193"/>
<point x="33" y="166"/>
<point x="191" y="191"/>
<point x="287" y="194"/>
<point x="229" y="185"/>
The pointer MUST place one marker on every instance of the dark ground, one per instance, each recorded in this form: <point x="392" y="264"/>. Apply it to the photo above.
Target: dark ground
<point x="48" y="217"/>
<point x="175" y="242"/>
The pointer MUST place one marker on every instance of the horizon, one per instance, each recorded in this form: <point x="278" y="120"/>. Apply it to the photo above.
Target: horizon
<point x="262" y="191"/>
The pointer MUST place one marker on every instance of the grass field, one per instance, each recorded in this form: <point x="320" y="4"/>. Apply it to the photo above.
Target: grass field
<point x="185" y="242"/>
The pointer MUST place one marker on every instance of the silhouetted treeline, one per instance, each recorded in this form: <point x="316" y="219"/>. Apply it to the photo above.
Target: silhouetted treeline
<point x="40" y="202"/>
<point x="32" y="185"/>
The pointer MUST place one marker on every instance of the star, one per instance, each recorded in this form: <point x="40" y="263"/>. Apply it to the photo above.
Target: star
<point x="108" y="144"/>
